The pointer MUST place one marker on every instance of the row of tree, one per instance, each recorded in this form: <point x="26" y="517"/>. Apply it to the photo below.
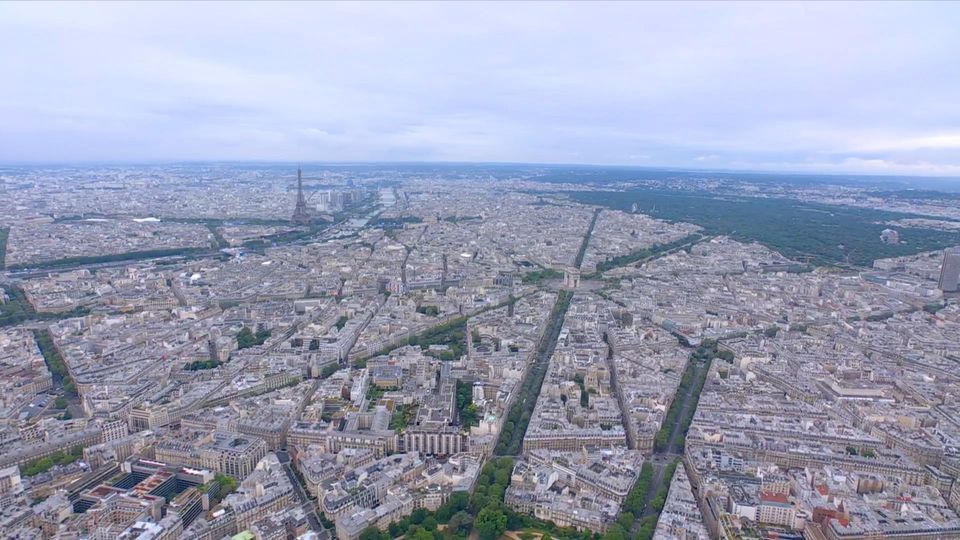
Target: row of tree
<point x="114" y="257"/>
<point x="586" y="239"/>
<point x="451" y="333"/>
<point x="639" y="255"/>
<point x="647" y="525"/>
<point x="17" y="309"/>
<point x="4" y="235"/>
<point x="692" y="377"/>
<point x="664" y="488"/>
<point x="630" y="520"/>
<point x="710" y="349"/>
<point x="511" y="436"/>
<point x="636" y="497"/>
<point x="54" y="361"/>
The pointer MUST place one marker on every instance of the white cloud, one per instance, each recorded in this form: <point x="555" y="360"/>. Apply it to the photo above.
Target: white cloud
<point x="688" y="84"/>
<point x="856" y="165"/>
<point x="933" y="141"/>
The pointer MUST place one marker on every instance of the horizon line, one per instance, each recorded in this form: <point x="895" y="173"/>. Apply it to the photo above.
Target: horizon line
<point x="667" y="168"/>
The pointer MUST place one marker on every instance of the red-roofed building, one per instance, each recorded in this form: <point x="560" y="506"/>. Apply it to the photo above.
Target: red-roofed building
<point x="776" y="509"/>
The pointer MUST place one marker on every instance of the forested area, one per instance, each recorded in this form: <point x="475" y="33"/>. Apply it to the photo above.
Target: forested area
<point x="826" y="234"/>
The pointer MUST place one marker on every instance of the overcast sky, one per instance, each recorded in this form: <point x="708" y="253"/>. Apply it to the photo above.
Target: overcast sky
<point x="825" y="87"/>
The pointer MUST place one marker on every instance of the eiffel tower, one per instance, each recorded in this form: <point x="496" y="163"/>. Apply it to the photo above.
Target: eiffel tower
<point x="301" y="214"/>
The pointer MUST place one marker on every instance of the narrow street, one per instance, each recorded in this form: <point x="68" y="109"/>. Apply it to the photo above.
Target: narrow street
<point x="309" y="507"/>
